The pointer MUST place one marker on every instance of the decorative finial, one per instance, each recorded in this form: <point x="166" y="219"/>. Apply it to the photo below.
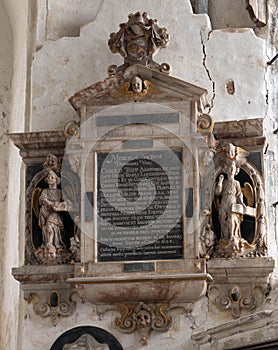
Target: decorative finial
<point x="137" y="41"/>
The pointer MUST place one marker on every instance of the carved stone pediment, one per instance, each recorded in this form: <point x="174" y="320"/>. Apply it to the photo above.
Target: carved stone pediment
<point x="156" y="87"/>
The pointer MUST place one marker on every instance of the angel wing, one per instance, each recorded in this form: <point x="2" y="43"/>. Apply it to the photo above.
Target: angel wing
<point x="35" y="200"/>
<point x="151" y="89"/>
<point x="248" y="193"/>
<point x="124" y="90"/>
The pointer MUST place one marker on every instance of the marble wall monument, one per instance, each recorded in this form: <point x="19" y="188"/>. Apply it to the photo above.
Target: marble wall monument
<point x="144" y="205"/>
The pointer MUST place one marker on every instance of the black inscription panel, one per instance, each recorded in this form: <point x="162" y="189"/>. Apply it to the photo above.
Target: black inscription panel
<point x="139" y="205"/>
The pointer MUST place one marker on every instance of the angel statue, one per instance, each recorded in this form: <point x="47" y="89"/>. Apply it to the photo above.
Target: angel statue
<point x="50" y="219"/>
<point x="231" y="206"/>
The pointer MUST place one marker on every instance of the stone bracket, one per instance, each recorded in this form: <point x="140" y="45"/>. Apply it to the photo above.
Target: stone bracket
<point x="238" y="298"/>
<point x="239" y="285"/>
<point x="144" y="317"/>
<point x="53" y="304"/>
<point x="47" y="289"/>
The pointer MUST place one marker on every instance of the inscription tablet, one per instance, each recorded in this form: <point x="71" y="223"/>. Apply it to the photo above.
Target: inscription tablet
<point x="139" y="205"/>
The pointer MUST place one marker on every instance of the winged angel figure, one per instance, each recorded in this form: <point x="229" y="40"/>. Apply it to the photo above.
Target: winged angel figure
<point x="232" y="206"/>
<point x="47" y="205"/>
<point x="137" y="89"/>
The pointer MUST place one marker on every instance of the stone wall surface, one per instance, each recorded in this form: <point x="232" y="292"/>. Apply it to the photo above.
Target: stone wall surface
<point x="13" y="38"/>
<point x="5" y="105"/>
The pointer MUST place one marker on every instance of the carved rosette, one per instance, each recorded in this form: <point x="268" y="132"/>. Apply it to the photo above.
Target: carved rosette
<point x="72" y="129"/>
<point x="52" y="305"/>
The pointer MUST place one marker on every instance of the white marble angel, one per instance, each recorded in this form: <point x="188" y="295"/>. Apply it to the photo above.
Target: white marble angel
<point x="50" y="219"/>
<point x="232" y="206"/>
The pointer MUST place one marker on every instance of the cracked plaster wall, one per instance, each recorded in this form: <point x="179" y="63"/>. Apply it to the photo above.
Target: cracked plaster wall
<point x="198" y="55"/>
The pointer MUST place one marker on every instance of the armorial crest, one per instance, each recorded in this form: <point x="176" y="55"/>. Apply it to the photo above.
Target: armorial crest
<point x="137" y="41"/>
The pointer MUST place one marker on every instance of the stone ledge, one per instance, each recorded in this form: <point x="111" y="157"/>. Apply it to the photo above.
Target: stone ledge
<point x="149" y="288"/>
<point x="43" y="274"/>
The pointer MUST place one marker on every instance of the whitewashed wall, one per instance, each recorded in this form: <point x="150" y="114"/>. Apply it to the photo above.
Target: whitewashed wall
<point x="13" y="70"/>
<point x="198" y="55"/>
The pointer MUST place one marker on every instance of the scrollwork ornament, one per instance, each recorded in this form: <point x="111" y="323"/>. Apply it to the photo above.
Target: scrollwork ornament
<point x="144" y="318"/>
<point x="71" y="129"/>
<point x="237" y="298"/>
<point x="205" y="123"/>
<point x="53" y="311"/>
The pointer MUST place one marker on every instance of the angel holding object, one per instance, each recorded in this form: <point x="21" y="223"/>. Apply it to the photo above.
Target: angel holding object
<point x="50" y="219"/>
<point x="232" y="207"/>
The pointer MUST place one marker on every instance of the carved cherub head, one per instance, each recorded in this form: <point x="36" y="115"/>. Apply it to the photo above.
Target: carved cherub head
<point x="137" y="85"/>
<point x="230" y="151"/>
<point x="50" y="252"/>
<point x="51" y="162"/>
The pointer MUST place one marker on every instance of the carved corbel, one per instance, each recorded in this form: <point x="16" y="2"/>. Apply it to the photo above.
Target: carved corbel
<point x="53" y="304"/>
<point x="239" y="285"/>
<point x="238" y="298"/>
<point x="144" y="318"/>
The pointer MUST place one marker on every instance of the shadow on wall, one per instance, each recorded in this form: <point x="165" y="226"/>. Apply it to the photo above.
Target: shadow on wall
<point x="224" y="13"/>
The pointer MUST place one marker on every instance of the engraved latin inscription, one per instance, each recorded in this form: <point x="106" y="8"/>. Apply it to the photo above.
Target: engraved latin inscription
<point x="139" y="205"/>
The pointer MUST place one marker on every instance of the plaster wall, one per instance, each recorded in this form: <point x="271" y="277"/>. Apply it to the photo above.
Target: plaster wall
<point x="198" y="55"/>
<point x="13" y="22"/>
<point x="6" y="58"/>
<point x="229" y="14"/>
